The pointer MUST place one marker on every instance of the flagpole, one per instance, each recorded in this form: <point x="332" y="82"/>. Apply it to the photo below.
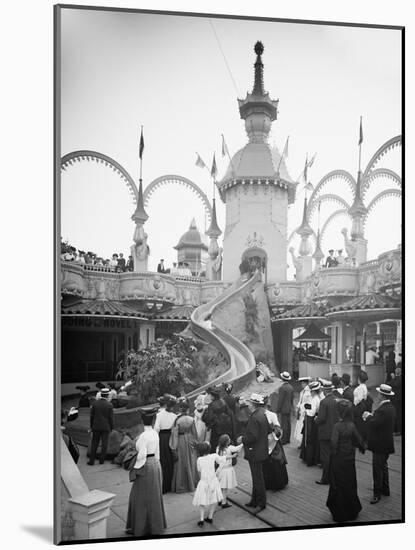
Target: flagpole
<point x="141" y="159"/>
<point x="360" y="144"/>
<point x="285" y="148"/>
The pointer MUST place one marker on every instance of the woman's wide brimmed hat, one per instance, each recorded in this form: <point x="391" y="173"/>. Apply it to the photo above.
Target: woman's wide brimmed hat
<point x="315" y="386"/>
<point x="385" y="389"/>
<point x="327" y="385"/>
<point x="304" y="379"/>
<point x="285" y="376"/>
<point x="257" y="399"/>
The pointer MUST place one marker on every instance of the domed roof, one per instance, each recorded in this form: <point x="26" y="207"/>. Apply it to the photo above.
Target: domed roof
<point x="192" y="238"/>
<point x="256" y="161"/>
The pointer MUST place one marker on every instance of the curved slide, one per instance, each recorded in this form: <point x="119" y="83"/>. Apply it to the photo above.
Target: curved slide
<point x="240" y="359"/>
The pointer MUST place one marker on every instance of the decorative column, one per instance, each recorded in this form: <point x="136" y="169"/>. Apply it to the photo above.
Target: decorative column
<point x="358" y="213"/>
<point x="318" y="255"/>
<point x="90" y="512"/>
<point x="140" y="249"/>
<point x="214" y="263"/>
<point x="304" y="262"/>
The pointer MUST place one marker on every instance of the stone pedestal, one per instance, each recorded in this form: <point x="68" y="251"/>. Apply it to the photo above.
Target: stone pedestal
<point x="361" y="250"/>
<point x="304" y="268"/>
<point x="90" y="512"/>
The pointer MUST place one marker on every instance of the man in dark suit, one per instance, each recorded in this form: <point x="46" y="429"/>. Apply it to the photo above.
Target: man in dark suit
<point x="255" y="443"/>
<point x="347" y="390"/>
<point x="121" y="265"/>
<point x="101" y="424"/>
<point x="326" y="419"/>
<point x="380" y="426"/>
<point x="396" y="384"/>
<point x="285" y="407"/>
<point x="160" y="267"/>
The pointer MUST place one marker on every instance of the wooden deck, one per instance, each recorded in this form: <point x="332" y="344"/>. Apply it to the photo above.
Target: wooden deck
<point x="303" y="502"/>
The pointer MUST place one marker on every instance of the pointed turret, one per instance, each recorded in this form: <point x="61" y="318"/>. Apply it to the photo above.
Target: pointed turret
<point x="358" y="210"/>
<point x="213" y="230"/>
<point x="257" y="109"/>
<point x="305" y="229"/>
<point x="318" y="253"/>
<point x="140" y="216"/>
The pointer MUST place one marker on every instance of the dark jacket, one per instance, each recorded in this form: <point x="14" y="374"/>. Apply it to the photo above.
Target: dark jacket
<point x="348" y="394"/>
<point x="102" y="416"/>
<point x="121" y="263"/>
<point x="217" y="417"/>
<point x="327" y="417"/>
<point x="285" y="399"/>
<point x="380" y="428"/>
<point x="255" y="439"/>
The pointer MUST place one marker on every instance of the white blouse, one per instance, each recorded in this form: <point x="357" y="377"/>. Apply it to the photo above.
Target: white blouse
<point x="164" y="420"/>
<point x="147" y="444"/>
<point x="314" y="401"/>
<point x="359" y="394"/>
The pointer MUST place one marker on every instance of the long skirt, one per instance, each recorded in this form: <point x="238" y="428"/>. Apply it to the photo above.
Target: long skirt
<point x="360" y="424"/>
<point x="185" y="476"/>
<point x="166" y="460"/>
<point x="309" y="446"/>
<point x="298" y="430"/>
<point x="343" y="501"/>
<point x="145" y="506"/>
<point x="275" y="470"/>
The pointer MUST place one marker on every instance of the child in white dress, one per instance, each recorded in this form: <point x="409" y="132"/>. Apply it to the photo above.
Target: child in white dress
<point x="226" y="472"/>
<point x="208" y="492"/>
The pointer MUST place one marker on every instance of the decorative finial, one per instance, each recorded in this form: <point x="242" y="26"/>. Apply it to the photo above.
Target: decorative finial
<point x="259" y="48"/>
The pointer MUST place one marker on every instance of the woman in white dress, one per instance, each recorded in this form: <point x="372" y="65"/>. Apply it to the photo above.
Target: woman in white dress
<point x="304" y="398"/>
<point x="200" y="408"/>
<point x="208" y="492"/>
<point x="226" y="472"/>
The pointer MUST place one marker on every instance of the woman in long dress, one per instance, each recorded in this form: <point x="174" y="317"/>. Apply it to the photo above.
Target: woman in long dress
<point x="163" y="425"/>
<point x="361" y="403"/>
<point x="304" y="398"/>
<point x="343" y="501"/>
<point x="309" y="445"/>
<point x="185" y="475"/>
<point x="145" y="506"/>
<point x="274" y="468"/>
<point x="200" y="408"/>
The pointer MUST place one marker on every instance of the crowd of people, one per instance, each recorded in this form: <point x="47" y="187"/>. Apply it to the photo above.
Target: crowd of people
<point x="335" y="260"/>
<point x="117" y="262"/>
<point x="332" y="420"/>
<point x="193" y="447"/>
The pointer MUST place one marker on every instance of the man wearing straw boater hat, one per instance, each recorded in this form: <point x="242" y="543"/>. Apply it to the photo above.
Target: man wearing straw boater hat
<point x="255" y="443"/>
<point x="285" y="406"/>
<point x="101" y="423"/>
<point x="380" y="441"/>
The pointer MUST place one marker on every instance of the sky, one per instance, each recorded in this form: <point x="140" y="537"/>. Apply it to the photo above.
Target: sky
<point x="179" y="77"/>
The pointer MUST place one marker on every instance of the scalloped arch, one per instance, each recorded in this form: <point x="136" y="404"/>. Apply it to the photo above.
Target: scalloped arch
<point x="341" y="211"/>
<point x="79" y="156"/>
<point x="381" y="196"/>
<point x="379" y="173"/>
<point x="334" y="174"/>
<point x="180" y="180"/>
<point x="329" y="197"/>
<point x="383" y="149"/>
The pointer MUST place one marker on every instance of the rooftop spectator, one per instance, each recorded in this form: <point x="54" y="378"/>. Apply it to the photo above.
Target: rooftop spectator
<point x="121" y="262"/>
<point x="130" y="264"/>
<point x="331" y="261"/>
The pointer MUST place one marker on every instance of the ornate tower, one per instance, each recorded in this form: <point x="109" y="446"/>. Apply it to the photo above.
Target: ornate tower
<point x="257" y="190"/>
<point x="191" y="249"/>
<point x="214" y="263"/>
<point x="304" y="261"/>
<point x="358" y="212"/>
<point x="140" y="250"/>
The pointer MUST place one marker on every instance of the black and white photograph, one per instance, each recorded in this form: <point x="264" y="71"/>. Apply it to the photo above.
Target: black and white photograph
<point x="229" y="264"/>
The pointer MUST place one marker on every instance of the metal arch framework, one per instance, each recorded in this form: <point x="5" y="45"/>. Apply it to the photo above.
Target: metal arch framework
<point x="383" y="149"/>
<point x="341" y="211"/>
<point x="380" y="173"/>
<point x="335" y="174"/>
<point x="329" y="197"/>
<point x="180" y="180"/>
<point x="380" y="196"/>
<point x="79" y="156"/>
<point x="293" y="233"/>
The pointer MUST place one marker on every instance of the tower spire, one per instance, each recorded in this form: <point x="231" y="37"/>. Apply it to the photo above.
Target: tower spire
<point x="258" y="88"/>
<point x="214" y="230"/>
<point x="140" y="216"/>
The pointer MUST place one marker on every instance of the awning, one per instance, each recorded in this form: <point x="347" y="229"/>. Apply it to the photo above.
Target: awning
<point x="307" y="312"/>
<point x="372" y="305"/>
<point x="313" y="334"/>
<point x="179" y="313"/>
<point x="102" y="308"/>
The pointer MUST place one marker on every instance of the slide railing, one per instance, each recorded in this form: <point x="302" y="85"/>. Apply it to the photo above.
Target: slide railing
<point x="239" y="357"/>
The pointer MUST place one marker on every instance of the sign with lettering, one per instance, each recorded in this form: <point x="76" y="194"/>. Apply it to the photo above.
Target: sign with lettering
<point x="97" y="322"/>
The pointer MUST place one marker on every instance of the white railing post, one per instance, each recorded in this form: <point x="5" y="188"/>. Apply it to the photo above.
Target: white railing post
<point x="90" y="512"/>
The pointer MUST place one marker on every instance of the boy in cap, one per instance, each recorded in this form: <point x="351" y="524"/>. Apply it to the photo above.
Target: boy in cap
<point x="101" y="424"/>
<point x="380" y="426"/>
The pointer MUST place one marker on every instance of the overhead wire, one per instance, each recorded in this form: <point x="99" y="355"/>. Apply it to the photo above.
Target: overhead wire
<point x="224" y="57"/>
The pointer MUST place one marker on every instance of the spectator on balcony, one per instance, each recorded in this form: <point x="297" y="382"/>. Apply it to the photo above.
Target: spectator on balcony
<point x="114" y="261"/>
<point x="331" y="261"/>
<point x="98" y="262"/>
<point x="160" y="267"/>
<point x="88" y="258"/>
<point x="69" y="255"/>
<point x="81" y="257"/>
<point x="130" y="264"/>
<point x="340" y="258"/>
<point x="121" y="263"/>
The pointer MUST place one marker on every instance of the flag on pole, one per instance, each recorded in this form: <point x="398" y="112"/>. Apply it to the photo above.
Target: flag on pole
<point x="305" y="168"/>
<point x="311" y="162"/>
<point x="141" y="149"/>
<point x="285" y="151"/>
<point x="214" y="170"/>
<point x="199" y="161"/>
<point x="360" y="133"/>
<point x="225" y="150"/>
